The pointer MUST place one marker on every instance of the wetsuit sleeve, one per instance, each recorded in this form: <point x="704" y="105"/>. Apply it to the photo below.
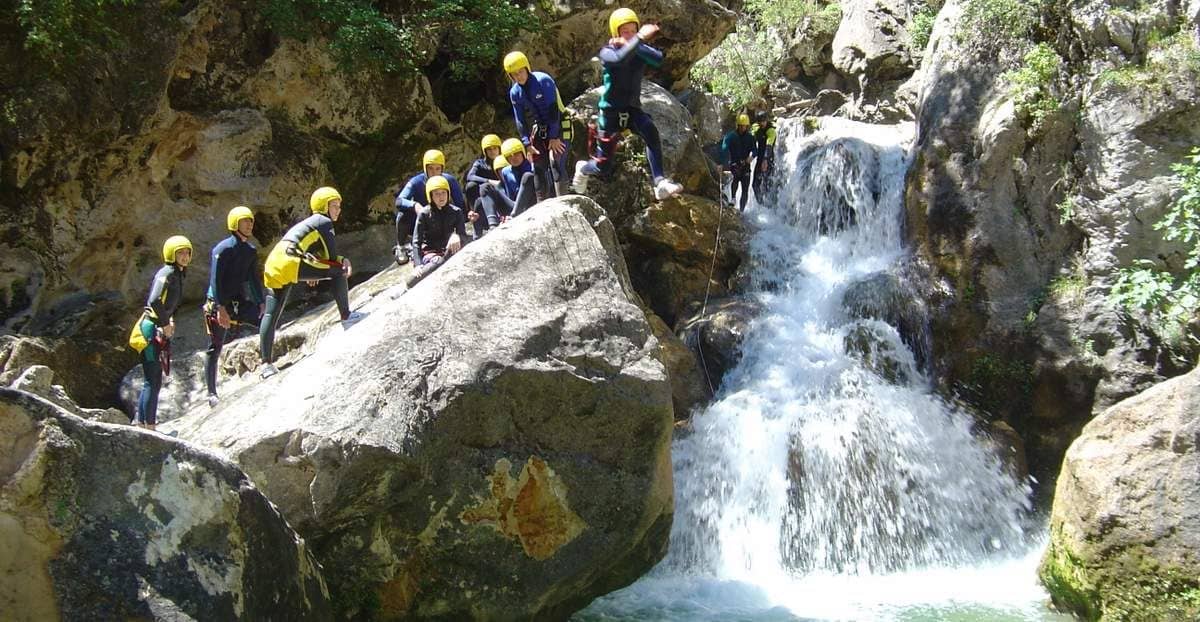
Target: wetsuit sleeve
<point x="214" y="267"/>
<point x="652" y="55"/>
<point x="222" y="258"/>
<point x="476" y="172"/>
<point x="421" y="230"/>
<point x="329" y="239"/>
<point x="156" y="300"/>
<point x="404" y="200"/>
<point x="554" y="129"/>
<point x="516" y="97"/>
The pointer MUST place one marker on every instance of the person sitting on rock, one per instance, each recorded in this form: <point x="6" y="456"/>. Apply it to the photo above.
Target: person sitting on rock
<point x="624" y="60"/>
<point x="737" y="149"/>
<point x="542" y="123"/>
<point x="235" y="297"/>
<point x="516" y="192"/>
<point x="308" y="252"/>
<point x="764" y="138"/>
<point x="494" y="204"/>
<point x="413" y="195"/>
<point x="440" y="229"/>
<point x="479" y="175"/>
<point x="157" y="325"/>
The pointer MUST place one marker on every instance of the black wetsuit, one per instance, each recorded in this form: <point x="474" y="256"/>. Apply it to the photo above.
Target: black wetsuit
<point x="166" y="292"/>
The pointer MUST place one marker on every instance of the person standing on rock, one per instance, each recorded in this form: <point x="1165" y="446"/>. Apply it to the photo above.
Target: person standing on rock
<point x="157" y="325"/>
<point x="308" y="252"/>
<point x="737" y="150"/>
<point x="517" y="190"/>
<point x="764" y="146"/>
<point x="413" y="195"/>
<point x="235" y="297"/>
<point x="624" y="60"/>
<point x="481" y="174"/>
<point x="440" y="229"/>
<point x="542" y="123"/>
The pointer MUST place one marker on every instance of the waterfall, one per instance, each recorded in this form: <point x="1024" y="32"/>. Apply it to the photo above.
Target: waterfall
<point x="827" y="473"/>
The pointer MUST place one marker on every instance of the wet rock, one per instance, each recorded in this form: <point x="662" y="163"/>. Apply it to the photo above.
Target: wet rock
<point x="689" y="387"/>
<point x="869" y="342"/>
<point x="111" y="522"/>
<point x="885" y="297"/>
<point x="670" y="250"/>
<point x="716" y="334"/>
<point x="503" y="455"/>
<point x="1125" y="528"/>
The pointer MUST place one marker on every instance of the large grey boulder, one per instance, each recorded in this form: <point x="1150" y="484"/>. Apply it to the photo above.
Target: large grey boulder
<point x="102" y="522"/>
<point x="493" y="443"/>
<point x="1125" y="529"/>
<point x="872" y="42"/>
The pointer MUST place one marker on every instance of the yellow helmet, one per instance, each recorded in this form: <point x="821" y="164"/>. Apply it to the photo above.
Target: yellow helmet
<point x="499" y="163"/>
<point x="437" y="182"/>
<point x="173" y="245"/>
<point x="743" y="119"/>
<point x="491" y="140"/>
<point x="319" y="202"/>
<point x="619" y="18"/>
<point x="236" y="215"/>
<point x="515" y="61"/>
<point x="511" y="146"/>
<point x="433" y="156"/>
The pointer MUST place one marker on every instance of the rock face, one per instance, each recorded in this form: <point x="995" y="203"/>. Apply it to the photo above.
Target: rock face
<point x="105" y="522"/>
<point x="1125" y="530"/>
<point x="997" y="206"/>
<point x="39" y="380"/>
<point x="502" y="458"/>
<point x="872" y="42"/>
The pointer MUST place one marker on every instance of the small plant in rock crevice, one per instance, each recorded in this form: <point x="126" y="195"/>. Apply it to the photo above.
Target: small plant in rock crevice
<point x="1031" y="85"/>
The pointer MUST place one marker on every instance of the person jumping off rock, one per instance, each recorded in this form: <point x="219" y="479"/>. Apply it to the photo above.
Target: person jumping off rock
<point x="151" y="335"/>
<point x="624" y="60"/>
<point x="412" y="195"/>
<point x="440" y="229"/>
<point x="307" y="252"/>
<point x="235" y="297"/>
<point x="542" y="124"/>
<point x="737" y="150"/>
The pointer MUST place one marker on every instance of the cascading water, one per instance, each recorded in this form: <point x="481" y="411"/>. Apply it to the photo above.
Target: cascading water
<point x="827" y="480"/>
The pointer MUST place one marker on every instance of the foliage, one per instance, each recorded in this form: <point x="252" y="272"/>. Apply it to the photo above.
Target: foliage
<point x="1031" y="83"/>
<point x="921" y="27"/>
<point x="1172" y="301"/>
<point x="822" y="17"/>
<point x="997" y="20"/>
<point x="60" y="32"/>
<point x="734" y="69"/>
<point x="1168" y="55"/>
<point x="477" y="31"/>
<point x="740" y="68"/>
<point x="1066" y="210"/>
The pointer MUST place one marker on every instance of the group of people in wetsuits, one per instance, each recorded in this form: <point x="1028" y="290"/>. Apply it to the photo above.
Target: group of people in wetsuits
<point x="432" y="211"/>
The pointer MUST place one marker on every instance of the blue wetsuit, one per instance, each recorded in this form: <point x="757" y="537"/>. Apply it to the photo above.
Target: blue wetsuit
<point x="621" y="105"/>
<point x="166" y="292"/>
<point x="538" y="112"/>
<point x="233" y="283"/>
<point x="516" y="194"/>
